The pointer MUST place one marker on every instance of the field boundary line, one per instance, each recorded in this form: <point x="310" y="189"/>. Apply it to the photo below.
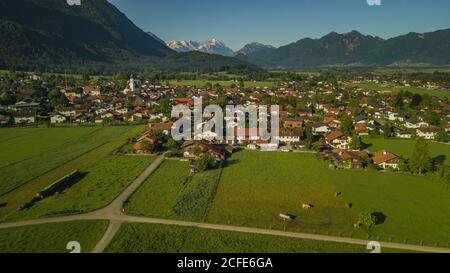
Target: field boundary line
<point x="213" y="193"/>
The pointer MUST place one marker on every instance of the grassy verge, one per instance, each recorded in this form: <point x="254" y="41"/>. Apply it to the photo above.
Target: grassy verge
<point x="52" y="238"/>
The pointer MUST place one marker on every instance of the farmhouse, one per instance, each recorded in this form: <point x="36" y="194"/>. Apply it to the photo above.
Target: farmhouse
<point x="338" y="140"/>
<point x="56" y="118"/>
<point x="427" y="132"/>
<point x="188" y="101"/>
<point x="195" y="149"/>
<point x="319" y="129"/>
<point x="361" y="129"/>
<point x="292" y="124"/>
<point x="68" y="111"/>
<point x="404" y="134"/>
<point x="92" y="90"/>
<point x="291" y="135"/>
<point x="387" y="160"/>
<point x="350" y="159"/>
<point x="163" y="127"/>
<point x="266" y="145"/>
<point x="4" y="119"/>
<point x="25" y="117"/>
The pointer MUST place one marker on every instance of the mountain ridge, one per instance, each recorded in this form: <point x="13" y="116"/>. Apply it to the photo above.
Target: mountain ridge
<point x="355" y="48"/>
<point x="51" y="35"/>
<point x="213" y="46"/>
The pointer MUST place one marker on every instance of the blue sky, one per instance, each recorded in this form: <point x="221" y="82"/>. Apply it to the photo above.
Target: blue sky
<point x="279" y="22"/>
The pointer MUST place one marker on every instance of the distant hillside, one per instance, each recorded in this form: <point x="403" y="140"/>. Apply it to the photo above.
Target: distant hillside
<point x="50" y="34"/>
<point x="253" y="48"/>
<point x="156" y="37"/>
<point x="354" y="48"/>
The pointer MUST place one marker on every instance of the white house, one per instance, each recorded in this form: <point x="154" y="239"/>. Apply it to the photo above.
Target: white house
<point x="57" y="119"/>
<point x="404" y="134"/>
<point x="427" y="132"/>
<point x="338" y="140"/>
<point x="321" y="129"/>
<point x="24" y="117"/>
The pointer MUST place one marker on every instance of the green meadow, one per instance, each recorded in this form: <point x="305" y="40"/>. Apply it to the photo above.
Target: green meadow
<point x="30" y="152"/>
<point x="415" y="90"/>
<point x="52" y="238"/>
<point x="96" y="188"/>
<point x="203" y="83"/>
<point x="256" y="187"/>
<point x="37" y="171"/>
<point x="165" y="195"/>
<point x="405" y="147"/>
<point x="145" y="238"/>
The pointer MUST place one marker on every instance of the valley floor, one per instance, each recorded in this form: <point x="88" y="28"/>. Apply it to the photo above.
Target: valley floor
<point x="234" y="209"/>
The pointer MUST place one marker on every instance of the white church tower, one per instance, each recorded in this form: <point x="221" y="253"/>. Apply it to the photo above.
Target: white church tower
<point x="133" y="86"/>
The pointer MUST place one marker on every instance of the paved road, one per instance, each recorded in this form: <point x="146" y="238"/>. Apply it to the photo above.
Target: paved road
<point x="114" y="214"/>
<point x="113" y="228"/>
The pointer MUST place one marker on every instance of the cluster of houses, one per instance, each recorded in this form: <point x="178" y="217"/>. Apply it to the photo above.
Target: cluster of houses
<point x="313" y="104"/>
<point x="336" y="147"/>
<point x="321" y="105"/>
<point x="91" y="103"/>
<point x="369" y="116"/>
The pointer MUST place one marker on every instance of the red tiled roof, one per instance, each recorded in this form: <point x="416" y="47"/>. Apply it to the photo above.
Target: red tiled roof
<point x="383" y="156"/>
<point x="333" y="135"/>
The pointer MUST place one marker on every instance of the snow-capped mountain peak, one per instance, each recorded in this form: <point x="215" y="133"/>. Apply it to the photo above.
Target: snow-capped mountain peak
<point x="183" y="46"/>
<point x="213" y="46"/>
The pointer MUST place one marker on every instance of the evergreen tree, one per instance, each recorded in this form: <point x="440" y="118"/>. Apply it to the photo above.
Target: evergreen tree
<point x="346" y="123"/>
<point x="356" y="143"/>
<point x="387" y="130"/>
<point x="420" y="162"/>
<point x="309" y="136"/>
<point x="442" y="136"/>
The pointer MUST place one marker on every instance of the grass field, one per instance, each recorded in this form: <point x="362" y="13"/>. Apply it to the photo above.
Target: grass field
<point x="106" y="140"/>
<point x="52" y="238"/>
<point x="144" y="238"/>
<point x="415" y="90"/>
<point x="256" y="187"/>
<point x="405" y="147"/>
<point x="163" y="194"/>
<point x="202" y="83"/>
<point x="76" y="76"/>
<point x="99" y="186"/>
<point x="30" y="152"/>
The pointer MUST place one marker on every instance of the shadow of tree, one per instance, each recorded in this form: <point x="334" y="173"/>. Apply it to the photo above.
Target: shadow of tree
<point x="230" y="162"/>
<point x="440" y="159"/>
<point x="380" y="218"/>
<point x="365" y="146"/>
